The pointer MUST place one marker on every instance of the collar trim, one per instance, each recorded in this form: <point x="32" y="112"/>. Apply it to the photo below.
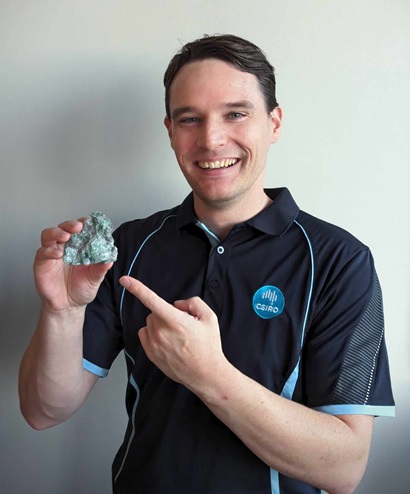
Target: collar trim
<point x="276" y="219"/>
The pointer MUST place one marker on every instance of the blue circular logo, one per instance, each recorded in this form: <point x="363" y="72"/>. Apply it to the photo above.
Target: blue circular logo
<point x="268" y="302"/>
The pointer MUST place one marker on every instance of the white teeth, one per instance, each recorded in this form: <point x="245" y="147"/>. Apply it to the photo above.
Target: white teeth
<point x="217" y="164"/>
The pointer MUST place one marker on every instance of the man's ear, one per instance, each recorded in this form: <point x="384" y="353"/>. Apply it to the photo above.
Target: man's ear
<point x="168" y="125"/>
<point x="276" y="119"/>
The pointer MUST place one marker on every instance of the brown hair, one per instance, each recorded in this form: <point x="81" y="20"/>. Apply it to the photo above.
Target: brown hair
<point x="239" y="52"/>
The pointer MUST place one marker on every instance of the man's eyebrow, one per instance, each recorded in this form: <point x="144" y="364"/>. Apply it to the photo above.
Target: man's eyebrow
<point x="241" y="104"/>
<point x="181" y="110"/>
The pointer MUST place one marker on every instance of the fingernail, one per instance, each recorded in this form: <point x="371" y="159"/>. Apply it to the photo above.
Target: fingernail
<point x="125" y="282"/>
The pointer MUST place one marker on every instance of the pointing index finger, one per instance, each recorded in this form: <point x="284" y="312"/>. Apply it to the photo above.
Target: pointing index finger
<point x="150" y="299"/>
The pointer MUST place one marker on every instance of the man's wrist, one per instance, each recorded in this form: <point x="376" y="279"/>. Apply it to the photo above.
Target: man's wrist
<point x="50" y="312"/>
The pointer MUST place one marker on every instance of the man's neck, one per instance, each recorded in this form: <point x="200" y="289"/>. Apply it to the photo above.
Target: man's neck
<point x="220" y="219"/>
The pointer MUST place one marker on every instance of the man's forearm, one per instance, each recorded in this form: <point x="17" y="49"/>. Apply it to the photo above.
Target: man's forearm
<point x="52" y="381"/>
<point x="320" y="449"/>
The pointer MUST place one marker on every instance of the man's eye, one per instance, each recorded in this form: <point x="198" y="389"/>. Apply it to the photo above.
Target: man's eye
<point x="236" y="115"/>
<point x="189" y="120"/>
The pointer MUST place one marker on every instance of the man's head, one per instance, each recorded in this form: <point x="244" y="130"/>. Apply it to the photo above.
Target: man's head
<point x="236" y="51"/>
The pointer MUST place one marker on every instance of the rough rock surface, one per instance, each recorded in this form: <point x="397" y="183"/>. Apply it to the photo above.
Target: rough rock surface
<point x="93" y="244"/>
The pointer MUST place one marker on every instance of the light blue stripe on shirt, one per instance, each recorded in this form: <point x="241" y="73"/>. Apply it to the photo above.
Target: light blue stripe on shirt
<point x="377" y="411"/>
<point x="94" y="369"/>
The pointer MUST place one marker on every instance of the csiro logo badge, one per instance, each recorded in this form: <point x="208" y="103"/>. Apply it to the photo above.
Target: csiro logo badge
<point x="268" y="302"/>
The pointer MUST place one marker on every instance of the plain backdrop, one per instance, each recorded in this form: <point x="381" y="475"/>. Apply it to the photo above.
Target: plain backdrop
<point x="81" y="129"/>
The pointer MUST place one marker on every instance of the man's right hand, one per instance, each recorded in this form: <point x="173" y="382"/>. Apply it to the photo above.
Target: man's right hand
<point x="60" y="285"/>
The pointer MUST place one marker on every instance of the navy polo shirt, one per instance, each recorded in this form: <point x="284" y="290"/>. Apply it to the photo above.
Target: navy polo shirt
<point x="300" y="311"/>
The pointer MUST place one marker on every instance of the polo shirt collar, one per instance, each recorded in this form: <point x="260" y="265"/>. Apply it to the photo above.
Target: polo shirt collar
<point x="273" y="220"/>
<point x="279" y="216"/>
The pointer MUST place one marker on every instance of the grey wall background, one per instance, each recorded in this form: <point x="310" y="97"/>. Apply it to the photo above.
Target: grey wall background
<point x="81" y="102"/>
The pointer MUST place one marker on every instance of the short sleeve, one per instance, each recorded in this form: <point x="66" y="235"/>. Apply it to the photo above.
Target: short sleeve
<point x="102" y="339"/>
<point x="345" y="361"/>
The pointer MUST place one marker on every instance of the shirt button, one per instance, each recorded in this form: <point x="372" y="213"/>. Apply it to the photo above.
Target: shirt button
<point x="220" y="249"/>
<point x="214" y="284"/>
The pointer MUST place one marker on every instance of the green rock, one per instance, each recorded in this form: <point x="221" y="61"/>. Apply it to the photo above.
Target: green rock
<point x="93" y="244"/>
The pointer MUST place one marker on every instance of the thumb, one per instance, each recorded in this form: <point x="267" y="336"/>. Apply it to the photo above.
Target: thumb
<point x="97" y="272"/>
<point x="196" y="307"/>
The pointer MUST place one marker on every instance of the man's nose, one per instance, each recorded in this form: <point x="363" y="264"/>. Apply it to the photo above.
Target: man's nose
<point x="211" y="135"/>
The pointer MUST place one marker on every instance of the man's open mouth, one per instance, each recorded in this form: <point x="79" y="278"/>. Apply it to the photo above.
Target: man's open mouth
<point x="225" y="163"/>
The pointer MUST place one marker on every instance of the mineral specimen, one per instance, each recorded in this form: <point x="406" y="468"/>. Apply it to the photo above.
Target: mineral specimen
<point x="93" y="244"/>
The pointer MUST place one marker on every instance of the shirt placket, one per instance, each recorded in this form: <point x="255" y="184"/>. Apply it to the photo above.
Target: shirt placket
<point x="214" y="289"/>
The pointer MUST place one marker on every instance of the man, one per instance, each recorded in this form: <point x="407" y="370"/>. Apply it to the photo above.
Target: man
<point x="260" y="358"/>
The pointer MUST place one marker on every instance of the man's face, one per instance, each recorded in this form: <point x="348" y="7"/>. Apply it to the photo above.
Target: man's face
<point x="221" y="131"/>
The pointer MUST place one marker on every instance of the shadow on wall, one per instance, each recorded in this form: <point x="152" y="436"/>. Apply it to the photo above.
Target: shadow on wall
<point x="98" y="137"/>
<point x="86" y="134"/>
<point x="388" y="470"/>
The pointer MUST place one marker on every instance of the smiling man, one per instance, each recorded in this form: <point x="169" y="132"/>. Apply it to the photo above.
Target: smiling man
<point x="260" y="359"/>
<point x="221" y="132"/>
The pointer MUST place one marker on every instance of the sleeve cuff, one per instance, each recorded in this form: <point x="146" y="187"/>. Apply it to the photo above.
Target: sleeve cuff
<point x="94" y="369"/>
<point x="377" y="411"/>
